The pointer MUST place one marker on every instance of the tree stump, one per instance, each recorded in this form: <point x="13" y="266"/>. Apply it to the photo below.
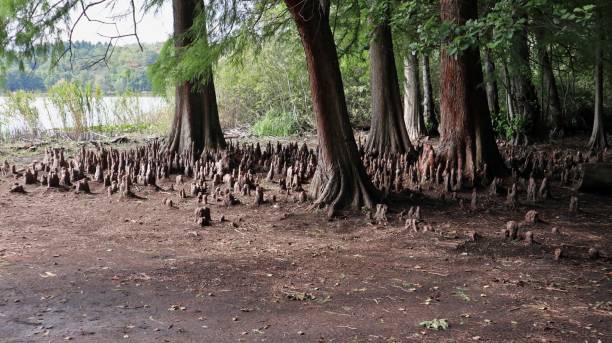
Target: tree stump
<point x="99" y="175"/>
<point x="411" y="224"/>
<point x="380" y="217"/>
<point x="474" y="236"/>
<point x="512" y="198"/>
<point x="593" y="253"/>
<point x="53" y="181"/>
<point x="532" y="217"/>
<point x="302" y="197"/>
<point x="544" y="192"/>
<point x="29" y="177"/>
<point x="531" y="190"/>
<point x="229" y="200"/>
<point x="512" y="229"/>
<point x="202" y="216"/>
<point x="259" y="196"/>
<point x="5" y="168"/>
<point x="16" y="188"/>
<point x="414" y="213"/>
<point x="529" y="237"/>
<point x="82" y="187"/>
<point x="107" y="180"/>
<point x="194" y="189"/>
<point x="125" y="187"/>
<point x="65" y="178"/>
<point x="217" y="180"/>
<point x="573" y="205"/>
<point x="270" y="175"/>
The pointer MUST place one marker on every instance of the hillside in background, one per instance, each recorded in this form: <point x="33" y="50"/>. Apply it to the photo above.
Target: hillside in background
<point x="126" y="70"/>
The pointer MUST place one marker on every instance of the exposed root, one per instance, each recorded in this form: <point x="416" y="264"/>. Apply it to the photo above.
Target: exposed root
<point x="342" y="189"/>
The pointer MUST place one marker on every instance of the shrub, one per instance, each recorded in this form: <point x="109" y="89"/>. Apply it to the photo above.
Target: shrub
<point x="507" y="128"/>
<point x="76" y="104"/>
<point x="276" y="124"/>
<point x="20" y="105"/>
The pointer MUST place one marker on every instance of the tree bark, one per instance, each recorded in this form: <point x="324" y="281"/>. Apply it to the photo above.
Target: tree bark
<point x="196" y="116"/>
<point x="552" y="102"/>
<point x="429" y="108"/>
<point x="598" y="140"/>
<point x="524" y="97"/>
<point x="466" y="136"/>
<point x="387" y="130"/>
<point x="340" y="181"/>
<point x="491" y="82"/>
<point x="413" y="116"/>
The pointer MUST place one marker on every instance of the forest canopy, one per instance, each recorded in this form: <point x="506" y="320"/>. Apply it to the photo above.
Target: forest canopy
<point x="250" y="62"/>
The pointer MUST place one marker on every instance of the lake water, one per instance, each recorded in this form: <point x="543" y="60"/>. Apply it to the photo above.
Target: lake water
<point x="111" y="110"/>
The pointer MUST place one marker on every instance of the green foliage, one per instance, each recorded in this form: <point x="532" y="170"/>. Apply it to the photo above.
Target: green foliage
<point x="126" y="70"/>
<point x="435" y="324"/>
<point x="237" y="29"/>
<point x="274" y="80"/>
<point x="355" y="69"/>
<point x="258" y="62"/>
<point x="275" y="124"/>
<point x="76" y="104"/>
<point x="19" y="105"/>
<point x="507" y="128"/>
<point x="82" y="108"/>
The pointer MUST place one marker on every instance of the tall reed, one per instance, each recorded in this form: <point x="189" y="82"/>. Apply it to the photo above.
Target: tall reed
<point x="19" y="107"/>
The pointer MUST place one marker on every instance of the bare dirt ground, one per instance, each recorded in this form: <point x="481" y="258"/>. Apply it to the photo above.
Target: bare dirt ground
<point x="90" y="268"/>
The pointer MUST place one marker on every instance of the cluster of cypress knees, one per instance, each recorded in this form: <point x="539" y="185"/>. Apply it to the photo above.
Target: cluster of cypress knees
<point x="237" y="170"/>
<point x="240" y="166"/>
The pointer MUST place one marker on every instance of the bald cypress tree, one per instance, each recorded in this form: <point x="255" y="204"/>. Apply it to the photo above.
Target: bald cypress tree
<point x="196" y="115"/>
<point x="466" y="137"/>
<point x="340" y="181"/>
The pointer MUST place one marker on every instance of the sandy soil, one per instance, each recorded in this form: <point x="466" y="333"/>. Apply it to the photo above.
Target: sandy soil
<point x="90" y="268"/>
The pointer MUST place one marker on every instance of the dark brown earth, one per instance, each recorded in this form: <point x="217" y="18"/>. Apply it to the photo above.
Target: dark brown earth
<point x="90" y="268"/>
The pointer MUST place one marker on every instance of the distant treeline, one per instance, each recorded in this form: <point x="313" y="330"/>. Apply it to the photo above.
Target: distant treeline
<point x="126" y="69"/>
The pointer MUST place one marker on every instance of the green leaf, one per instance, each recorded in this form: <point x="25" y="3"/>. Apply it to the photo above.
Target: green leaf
<point x="435" y="324"/>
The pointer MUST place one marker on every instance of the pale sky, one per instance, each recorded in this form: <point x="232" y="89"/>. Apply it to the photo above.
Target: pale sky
<point x="151" y="28"/>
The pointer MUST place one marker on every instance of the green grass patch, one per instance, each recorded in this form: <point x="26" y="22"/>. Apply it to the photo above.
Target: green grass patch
<point x="123" y="128"/>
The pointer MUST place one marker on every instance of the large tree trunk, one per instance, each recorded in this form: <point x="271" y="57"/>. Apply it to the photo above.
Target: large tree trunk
<point x="340" y="181"/>
<point x="196" y="116"/>
<point x="552" y="102"/>
<point x="429" y="108"/>
<point x="491" y="82"/>
<point x="413" y="116"/>
<point x="524" y="97"/>
<point x="466" y="136"/>
<point x="598" y="140"/>
<point x="387" y="131"/>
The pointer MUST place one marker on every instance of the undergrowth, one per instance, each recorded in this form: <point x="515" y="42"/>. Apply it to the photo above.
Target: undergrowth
<point x="275" y="124"/>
